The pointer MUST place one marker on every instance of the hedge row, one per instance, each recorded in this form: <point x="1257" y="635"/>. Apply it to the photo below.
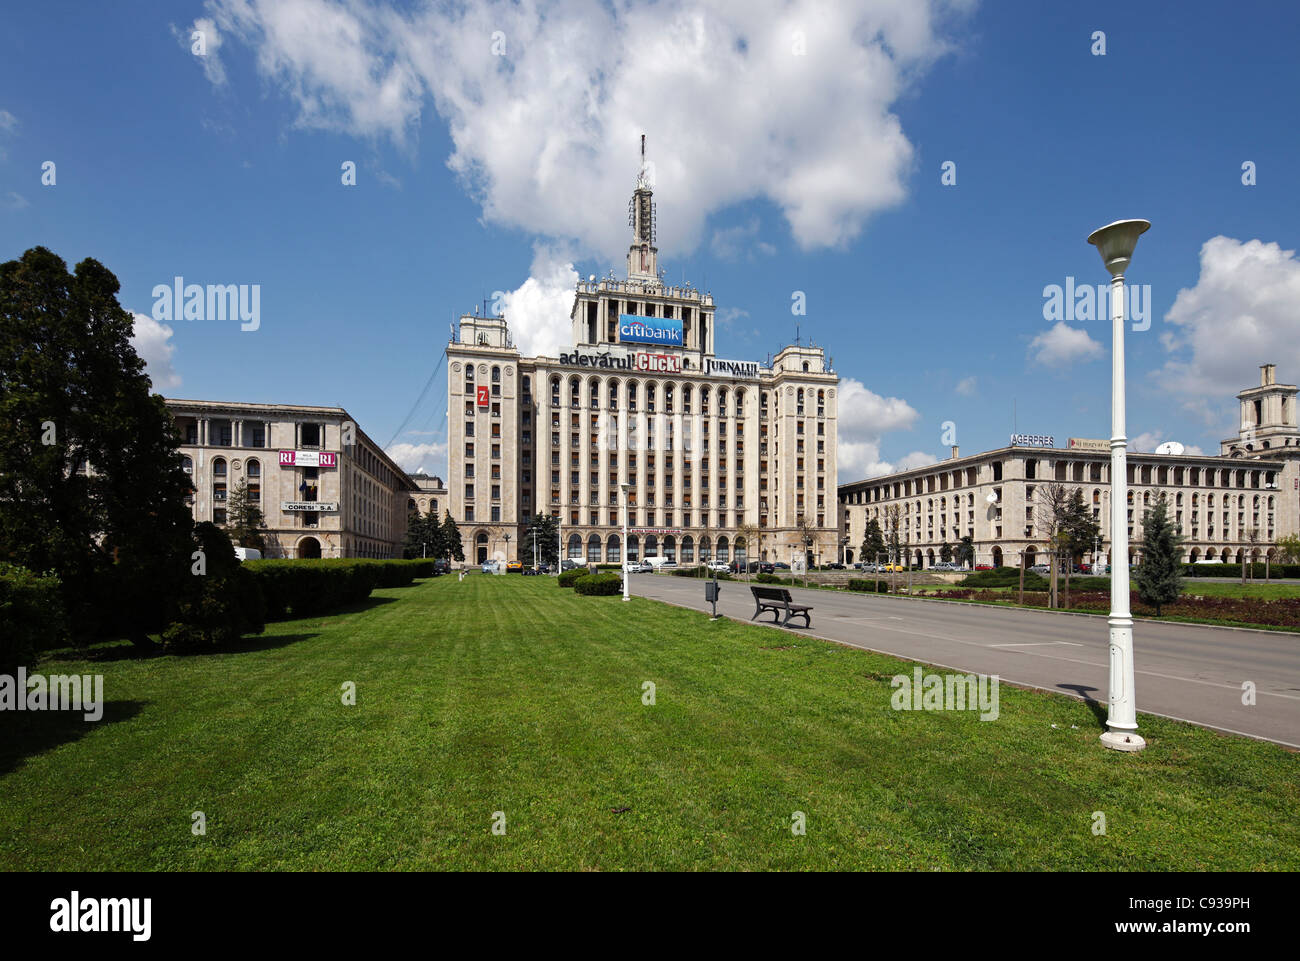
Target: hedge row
<point x="1234" y="570"/>
<point x="303" y="588"/>
<point x="868" y="587"/>
<point x="599" y="585"/>
<point x="31" y="616"/>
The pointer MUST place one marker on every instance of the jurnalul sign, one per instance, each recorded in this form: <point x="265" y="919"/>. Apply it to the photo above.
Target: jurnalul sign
<point x="308" y="458"/>
<point x="650" y="330"/>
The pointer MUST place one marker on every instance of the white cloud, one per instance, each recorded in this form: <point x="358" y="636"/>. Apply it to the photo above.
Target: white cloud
<point x="545" y="136"/>
<point x="14" y="200"/>
<point x="966" y="387"/>
<point x="1241" y="313"/>
<point x="152" y="341"/>
<point x="7" y="120"/>
<point x="1148" y="441"/>
<point x="1063" y="345"/>
<point x="740" y="242"/>
<point x="210" y="60"/>
<point x="411" y="457"/>
<point x="538" y="310"/>
<point x="864" y="417"/>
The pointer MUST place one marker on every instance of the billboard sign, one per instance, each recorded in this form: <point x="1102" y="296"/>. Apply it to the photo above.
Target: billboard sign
<point x="307" y="507"/>
<point x="1033" y="440"/>
<point x="633" y="328"/>
<point x="309" y="458"/>
<point x="1088" y="443"/>
<point x="732" y="368"/>
<point x="483" y="396"/>
<point x="659" y="363"/>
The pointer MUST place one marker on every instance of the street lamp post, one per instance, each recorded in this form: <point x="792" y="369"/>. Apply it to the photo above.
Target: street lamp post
<point x="507" y="552"/>
<point x="1115" y="243"/>
<point x="627" y="577"/>
<point x="535" y="564"/>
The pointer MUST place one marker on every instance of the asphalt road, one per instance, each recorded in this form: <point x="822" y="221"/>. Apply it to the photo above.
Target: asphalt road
<point x="1188" y="672"/>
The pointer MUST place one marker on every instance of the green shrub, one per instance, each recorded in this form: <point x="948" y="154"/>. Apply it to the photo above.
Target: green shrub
<point x="31" y="616"/>
<point x="868" y="587"/>
<point x="302" y="588"/>
<point x="1005" y="577"/>
<point x="570" y="577"/>
<point x="1234" y="570"/>
<point x="599" y="585"/>
<point x="219" y="606"/>
<point x="770" y="579"/>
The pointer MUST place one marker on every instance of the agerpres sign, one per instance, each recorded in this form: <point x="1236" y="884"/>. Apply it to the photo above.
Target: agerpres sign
<point x="650" y="330"/>
<point x="307" y="507"/>
<point x="1033" y="440"/>
<point x="308" y="458"/>
<point x="732" y="368"/>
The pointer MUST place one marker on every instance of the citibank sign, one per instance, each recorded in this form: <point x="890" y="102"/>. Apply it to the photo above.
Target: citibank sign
<point x="650" y="330"/>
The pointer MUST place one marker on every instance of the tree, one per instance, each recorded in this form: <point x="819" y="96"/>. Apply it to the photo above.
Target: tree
<point x="91" y="485"/>
<point x="945" y="553"/>
<point x="748" y="535"/>
<point x="1159" y="577"/>
<point x="892" y="515"/>
<point x="966" y="551"/>
<point x="423" y="536"/>
<point x="451" y="547"/>
<point x="1079" y="532"/>
<point x="873" y="542"/>
<point x="1052" y="512"/>
<point x="221" y="602"/>
<point x="244" y="518"/>
<point x="1288" y="549"/>
<point x="807" y="537"/>
<point x="548" y="548"/>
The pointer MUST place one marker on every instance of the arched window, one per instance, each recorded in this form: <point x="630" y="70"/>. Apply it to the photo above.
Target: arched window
<point x="670" y="549"/>
<point x="593" y="549"/>
<point x="595" y="393"/>
<point x="612" y="550"/>
<point x="724" y="549"/>
<point x="688" y="549"/>
<point x="686" y="399"/>
<point x="805" y="366"/>
<point x="575" y="547"/>
<point x="613" y="395"/>
<point x="651" y="546"/>
<point x="219" y="490"/>
<point x="574" y="388"/>
<point x="705" y="554"/>
<point x="496" y="381"/>
<point x="633" y="548"/>
<point x="254" y="471"/>
<point x="555" y="392"/>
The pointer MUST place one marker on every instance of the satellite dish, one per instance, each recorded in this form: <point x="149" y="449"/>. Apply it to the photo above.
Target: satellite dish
<point x="591" y="277"/>
<point x="1170" y="447"/>
<point x="993" y="497"/>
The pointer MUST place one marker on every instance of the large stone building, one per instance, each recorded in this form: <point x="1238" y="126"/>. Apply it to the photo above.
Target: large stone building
<point x="324" y="487"/>
<point x="1232" y="506"/>
<point x="708" y="445"/>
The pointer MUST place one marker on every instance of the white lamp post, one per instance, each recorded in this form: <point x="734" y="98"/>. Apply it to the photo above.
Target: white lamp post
<point x="627" y="577"/>
<point x="1115" y="243"/>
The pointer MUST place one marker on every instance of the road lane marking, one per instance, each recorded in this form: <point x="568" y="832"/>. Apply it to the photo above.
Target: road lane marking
<point x="1036" y="644"/>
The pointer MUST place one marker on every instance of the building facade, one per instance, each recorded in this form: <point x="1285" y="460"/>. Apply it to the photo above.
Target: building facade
<point x="709" y="446"/>
<point x="1231" y="506"/>
<point x="325" y="488"/>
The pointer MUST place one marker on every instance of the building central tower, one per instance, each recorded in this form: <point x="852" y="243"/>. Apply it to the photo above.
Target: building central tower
<point x="643" y="255"/>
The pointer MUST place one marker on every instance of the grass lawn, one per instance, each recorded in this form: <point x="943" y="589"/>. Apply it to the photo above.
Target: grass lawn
<point x="509" y="694"/>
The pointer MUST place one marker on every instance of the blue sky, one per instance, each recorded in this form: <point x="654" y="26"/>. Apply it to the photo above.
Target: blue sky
<point x="483" y="170"/>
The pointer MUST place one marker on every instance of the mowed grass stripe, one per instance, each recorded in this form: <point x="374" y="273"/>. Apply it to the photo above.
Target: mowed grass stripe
<point x="510" y="694"/>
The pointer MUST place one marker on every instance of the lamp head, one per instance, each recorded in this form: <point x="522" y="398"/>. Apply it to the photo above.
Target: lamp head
<point x="1115" y="243"/>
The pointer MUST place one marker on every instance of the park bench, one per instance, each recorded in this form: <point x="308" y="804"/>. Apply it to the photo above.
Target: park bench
<point x="778" y="600"/>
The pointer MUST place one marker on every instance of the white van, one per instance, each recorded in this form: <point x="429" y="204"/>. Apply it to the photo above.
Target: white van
<point x="248" y="553"/>
<point x="659" y="563"/>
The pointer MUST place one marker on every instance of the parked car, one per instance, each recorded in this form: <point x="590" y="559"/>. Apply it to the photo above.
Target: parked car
<point x="781" y="566"/>
<point x="868" y="568"/>
<point x="722" y="567"/>
<point x="248" y="554"/>
<point x="441" y="567"/>
<point x="490" y="567"/>
<point x="983" y="567"/>
<point x="533" y="571"/>
<point x="1041" y="569"/>
<point x="568" y="565"/>
<point x="514" y="567"/>
<point x="743" y="567"/>
<point x="638" y="567"/>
